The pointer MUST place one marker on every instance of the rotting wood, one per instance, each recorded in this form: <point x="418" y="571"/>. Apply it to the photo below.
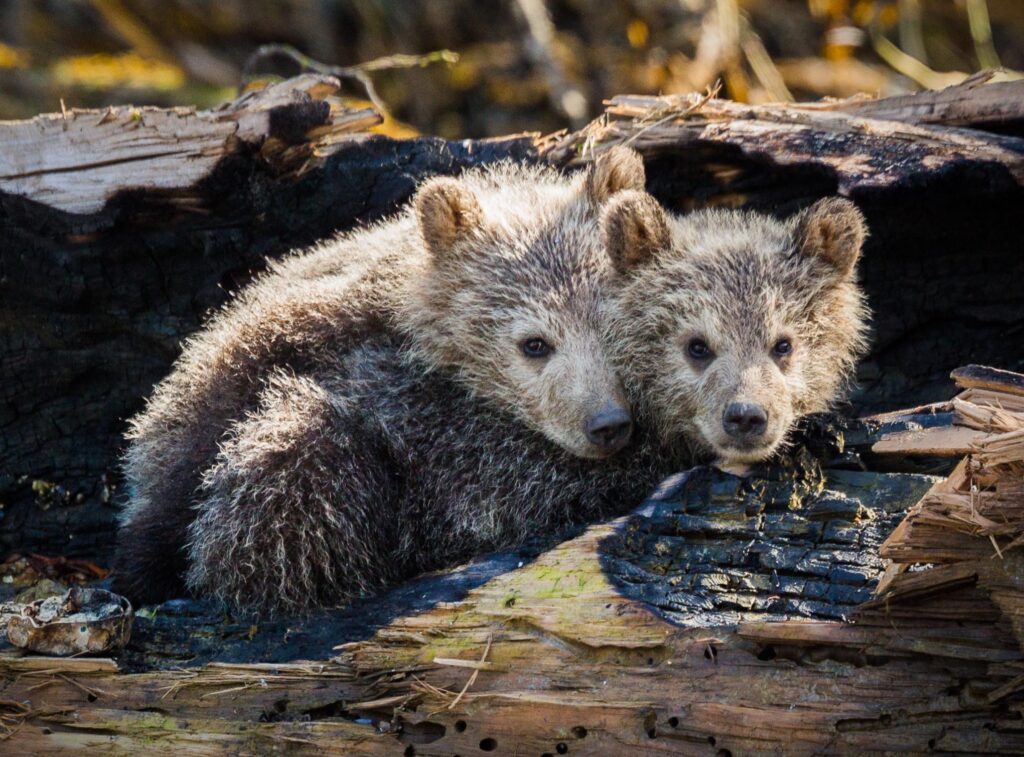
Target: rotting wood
<point x="77" y="160"/>
<point x="563" y="660"/>
<point x="862" y="152"/>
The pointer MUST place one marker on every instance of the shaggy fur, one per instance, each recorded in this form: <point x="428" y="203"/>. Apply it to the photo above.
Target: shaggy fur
<point x="740" y="283"/>
<point x="380" y="381"/>
<point x="325" y="503"/>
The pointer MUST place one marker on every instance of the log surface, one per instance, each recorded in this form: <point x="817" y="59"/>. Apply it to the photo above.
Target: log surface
<point x="566" y="652"/>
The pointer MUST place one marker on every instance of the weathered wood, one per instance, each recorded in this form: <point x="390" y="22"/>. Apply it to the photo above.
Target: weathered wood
<point x="77" y="160"/>
<point x="862" y="153"/>
<point x="993" y="379"/>
<point x="572" y="662"/>
<point x="946" y="442"/>
<point x="565" y="654"/>
<point x="976" y="103"/>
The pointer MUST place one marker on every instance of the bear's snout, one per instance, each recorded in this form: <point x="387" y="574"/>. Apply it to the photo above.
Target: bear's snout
<point x="609" y="428"/>
<point x="744" y="420"/>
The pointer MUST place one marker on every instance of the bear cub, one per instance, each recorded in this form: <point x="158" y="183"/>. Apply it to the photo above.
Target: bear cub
<point x="731" y="325"/>
<point x="391" y="402"/>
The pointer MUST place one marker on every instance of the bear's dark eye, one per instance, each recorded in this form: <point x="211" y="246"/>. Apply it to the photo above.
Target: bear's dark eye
<point x="782" y="348"/>
<point x="698" y="349"/>
<point x="536" y="347"/>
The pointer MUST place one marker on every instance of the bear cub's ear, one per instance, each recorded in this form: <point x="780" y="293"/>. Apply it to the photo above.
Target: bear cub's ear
<point x="634" y="229"/>
<point x="618" y="169"/>
<point x="447" y="211"/>
<point x="834" y="230"/>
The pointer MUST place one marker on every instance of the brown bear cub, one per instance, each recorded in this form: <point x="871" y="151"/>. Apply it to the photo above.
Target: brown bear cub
<point x="443" y="384"/>
<point x="394" y="401"/>
<point x="732" y="325"/>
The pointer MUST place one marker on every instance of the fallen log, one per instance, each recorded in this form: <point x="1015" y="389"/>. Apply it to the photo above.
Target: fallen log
<point x="617" y="642"/>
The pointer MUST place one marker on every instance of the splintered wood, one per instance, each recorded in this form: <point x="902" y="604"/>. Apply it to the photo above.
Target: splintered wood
<point x="969" y="527"/>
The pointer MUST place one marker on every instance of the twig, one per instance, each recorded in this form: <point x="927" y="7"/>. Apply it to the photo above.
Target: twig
<point x="469" y="681"/>
<point x="91" y="692"/>
<point x="359" y="72"/>
<point x="13" y="715"/>
<point x="673" y="114"/>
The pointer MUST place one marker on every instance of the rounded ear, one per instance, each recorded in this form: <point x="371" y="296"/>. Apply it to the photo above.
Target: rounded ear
<point x="634" y="229"/>
<point x="615" y="170"/>
<point x="834" y="230"/>
<point x="447" y="211"/>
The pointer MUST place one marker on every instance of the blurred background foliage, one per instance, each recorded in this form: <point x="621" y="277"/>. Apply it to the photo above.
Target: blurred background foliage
<point x="522" y="65"/>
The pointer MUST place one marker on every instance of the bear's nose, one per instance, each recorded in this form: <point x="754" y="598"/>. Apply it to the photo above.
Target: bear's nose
<point x="609" y="428"/>
<point x="744" y="419"/>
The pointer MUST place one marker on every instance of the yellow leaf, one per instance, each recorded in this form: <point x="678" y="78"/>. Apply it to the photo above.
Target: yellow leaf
<point x="126" y="70"/>
<point x="637" y="33"/>
<point x="12" y="57"/>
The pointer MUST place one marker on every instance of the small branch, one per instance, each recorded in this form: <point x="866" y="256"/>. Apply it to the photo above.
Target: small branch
<point x="359" y="73"/>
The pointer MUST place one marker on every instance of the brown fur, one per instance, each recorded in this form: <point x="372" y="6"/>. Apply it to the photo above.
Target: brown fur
<point x="740" y="282"/>
<point x="377" y="382"/>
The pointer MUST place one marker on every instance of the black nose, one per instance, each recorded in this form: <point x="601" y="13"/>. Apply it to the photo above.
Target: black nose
<point x="744" y="419"/>
<point x="610" y="428"/>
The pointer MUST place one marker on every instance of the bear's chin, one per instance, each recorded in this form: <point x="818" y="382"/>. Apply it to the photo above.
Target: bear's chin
<point x="736" y="458"/>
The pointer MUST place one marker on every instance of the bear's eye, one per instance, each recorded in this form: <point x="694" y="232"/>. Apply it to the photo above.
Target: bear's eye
<point x="782" y="348"/>
<point x="698" y="349"/>
<point x="536" y="347"/>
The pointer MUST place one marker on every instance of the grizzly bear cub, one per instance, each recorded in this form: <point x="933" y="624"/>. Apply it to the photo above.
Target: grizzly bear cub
<point x="731" y="325"/>
<point x="443" y="383"/>
<point x="393" y="401"/>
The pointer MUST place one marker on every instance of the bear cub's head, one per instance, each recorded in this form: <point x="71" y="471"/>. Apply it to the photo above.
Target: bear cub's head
<point x="512" y="294"/>
<point x="731" y="325"/>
